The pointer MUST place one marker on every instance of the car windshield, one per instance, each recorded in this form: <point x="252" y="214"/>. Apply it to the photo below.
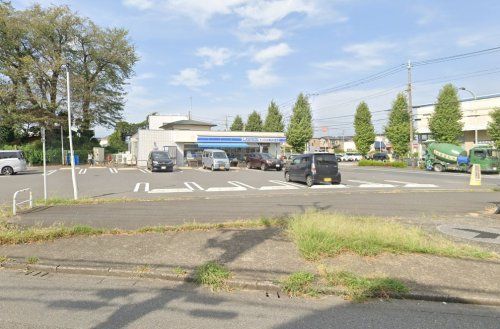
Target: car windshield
<point x="266" y="156"/>
<point x="496" y="153"/>
<point x="492" y="153"/>
<point x="220" y="155"/>
<point x="325" y="158"/>
<point x="161" y="156"/>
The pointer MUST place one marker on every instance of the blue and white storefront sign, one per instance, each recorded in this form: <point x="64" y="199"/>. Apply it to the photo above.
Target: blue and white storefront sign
<point x="223" y="139"/>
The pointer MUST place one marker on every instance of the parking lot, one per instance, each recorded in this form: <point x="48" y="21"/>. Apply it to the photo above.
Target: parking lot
<point x="111" y="182"/>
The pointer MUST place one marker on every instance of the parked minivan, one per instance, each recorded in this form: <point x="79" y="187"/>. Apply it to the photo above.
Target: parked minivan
<point x="160" y="161"/>
<point x="314" y="168"/>
<point x="12" y="162"/>
<point x="215" y="160"/>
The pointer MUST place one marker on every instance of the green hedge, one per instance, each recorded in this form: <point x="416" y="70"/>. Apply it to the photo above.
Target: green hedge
<point x="34" y="154"/>
<point x="373" y="163"/>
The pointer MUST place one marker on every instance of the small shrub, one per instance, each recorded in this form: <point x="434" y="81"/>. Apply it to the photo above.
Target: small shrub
<point x="32" y="260"/>
<point x="374" y="163"/>
<point x="212" y="274"/>
<point x="179" y="271"/>
<point x="299" y="283"/>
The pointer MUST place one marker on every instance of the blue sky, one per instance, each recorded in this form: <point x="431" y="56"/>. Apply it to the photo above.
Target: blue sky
<point x="235" y="56"/>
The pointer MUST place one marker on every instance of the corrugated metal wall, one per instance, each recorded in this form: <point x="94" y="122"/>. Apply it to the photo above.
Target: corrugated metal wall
<point x="150" y="140"/>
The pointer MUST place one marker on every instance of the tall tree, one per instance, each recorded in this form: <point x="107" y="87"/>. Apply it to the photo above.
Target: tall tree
<point x="254" y="122"/>
<point x="37" y="43"/>
<point x="398" y="128"/>
<point x="445" y="124"/>
<point x="237" y="124"/>
<point x="274" y="119"/>
<point x="494" y="127"/>
<point x="300" y="129"/>
<point x="364" y="130"/>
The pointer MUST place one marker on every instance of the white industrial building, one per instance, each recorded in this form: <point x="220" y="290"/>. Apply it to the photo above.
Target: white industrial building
<point x="185" y="140"/>
<point x="476" y="116"/>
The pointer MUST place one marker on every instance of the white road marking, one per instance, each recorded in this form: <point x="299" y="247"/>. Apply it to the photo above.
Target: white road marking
<point x="50" y="172"/>
<point x="281" y="186"/>
<point x="279" y="182"/>
<point x="226" y="189"/>
<point x="138" y="186"/>
<point x="331" y="186"/>
<point x="236" y="183"/>
<point x="82" y="171"/>
<point x="410" y="184"/>
<point x="145" y="171"/>
<point x="365" y="184"/>
<point x="113" y="170"/>
<point x="188" y="185"/>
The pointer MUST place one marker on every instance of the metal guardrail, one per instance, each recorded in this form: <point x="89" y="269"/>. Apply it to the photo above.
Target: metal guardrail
<point x="15" y="203"/>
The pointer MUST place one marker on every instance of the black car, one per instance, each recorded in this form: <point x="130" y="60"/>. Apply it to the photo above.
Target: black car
<point x="263" y="161"/>
<point x="314" y="168"/>
<point x="380" y="157"/>
<point x="160" y="161"/>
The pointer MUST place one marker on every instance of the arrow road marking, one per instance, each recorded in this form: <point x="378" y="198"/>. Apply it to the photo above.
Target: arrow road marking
<point x="366" y="184"/>
<point x="410" y="184"/>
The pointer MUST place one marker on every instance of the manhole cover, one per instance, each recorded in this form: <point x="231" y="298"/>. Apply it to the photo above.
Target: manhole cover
<point x="475" y="233"/>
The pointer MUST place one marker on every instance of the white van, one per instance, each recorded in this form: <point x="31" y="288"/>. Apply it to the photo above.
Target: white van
<point x="12" y="162"/>
<point x="215" y="160"/>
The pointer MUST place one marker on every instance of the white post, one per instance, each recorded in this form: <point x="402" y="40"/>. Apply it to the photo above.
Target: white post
<point x="71" y="153"/>
<point x="62" y="146"/>
<point x="44" y="166"/>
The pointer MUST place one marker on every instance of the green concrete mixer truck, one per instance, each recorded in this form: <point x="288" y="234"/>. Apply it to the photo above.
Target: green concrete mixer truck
<point x="444" y="156"/>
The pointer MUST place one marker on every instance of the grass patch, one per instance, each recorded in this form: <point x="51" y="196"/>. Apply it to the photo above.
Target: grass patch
<point x="360" y="288"/>
<point x="299" y="284"/>
<point x="320" y="235"/>
<point x="13" y="234"/>
<point x="374" y="163"/>
<point x="81" y="201"/>
<point x="496" y="189"/>
<point x="32" y="260"/>
<point x="4" y="259"/>
<point x="179" y="271"/>
<point x="213" y="275"/>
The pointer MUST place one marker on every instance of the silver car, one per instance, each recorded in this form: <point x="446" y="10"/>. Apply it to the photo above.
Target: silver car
<point x="12" y="162"/>
<point x="215" y="160"/>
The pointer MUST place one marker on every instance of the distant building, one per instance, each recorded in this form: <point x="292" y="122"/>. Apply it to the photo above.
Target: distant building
<point x="476" y="116"/>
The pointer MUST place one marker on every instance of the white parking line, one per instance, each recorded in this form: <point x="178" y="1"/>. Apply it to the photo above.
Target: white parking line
<point x="113" y="170"/>
<point x="82" y="171"/>
<point x="236" y="183"/>
<point x="365" y="184"/>
<point x="50" y="172"/>
<point x="226" y="189"/>
<point x="411" y="185"/>
<point x="145" y="171"/>
<point x="279" y="182"/>
<point x="331" y="186"/>
<point x="171" y="190"/>
<point x="138" y="186"/>
<point x="188" y="185"/>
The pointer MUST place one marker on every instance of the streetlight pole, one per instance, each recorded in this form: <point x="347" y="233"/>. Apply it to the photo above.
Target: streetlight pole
<point x="44" y="165"/>
<point x="410" y="110"/>
<point x="475" y="125"/>
<point x="71" y="153"/>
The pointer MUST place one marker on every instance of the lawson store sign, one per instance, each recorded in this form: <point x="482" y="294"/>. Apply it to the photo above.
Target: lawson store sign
<point x="222" y="139"/>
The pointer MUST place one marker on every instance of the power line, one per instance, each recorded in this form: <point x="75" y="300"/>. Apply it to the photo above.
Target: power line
<point x="456" y="57"/>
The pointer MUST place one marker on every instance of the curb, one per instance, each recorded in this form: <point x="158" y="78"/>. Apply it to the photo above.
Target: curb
<point x="258" y="285"/>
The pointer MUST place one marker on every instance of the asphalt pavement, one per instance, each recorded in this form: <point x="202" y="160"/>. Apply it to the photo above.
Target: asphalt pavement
<point x="44" y="300"/>
<point x="104" y="182"/>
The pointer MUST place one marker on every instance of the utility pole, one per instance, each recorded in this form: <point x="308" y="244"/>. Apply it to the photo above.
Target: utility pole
<point x="190" y="106"/>
<point x="44" y="165"/>
<point x="71" y="152"/>
<point x="410" y="110"/>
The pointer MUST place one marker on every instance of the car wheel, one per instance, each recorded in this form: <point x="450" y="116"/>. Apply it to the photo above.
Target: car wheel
<point x="263" y="167"/>
<point x="287" y="176"/>
<point x="227" y="169"/>
<point x="438" y="167"/>
<point x="278" y="169"/>
<point x="249" y="165"/>
<point x="7" y="170"/>
<point x="309" y="181"/>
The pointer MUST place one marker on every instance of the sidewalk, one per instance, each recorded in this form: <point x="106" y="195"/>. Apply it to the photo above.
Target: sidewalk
<point x="261" y="256"/>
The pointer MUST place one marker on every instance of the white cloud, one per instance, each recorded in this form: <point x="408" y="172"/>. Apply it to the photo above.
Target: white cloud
<point x="201" y="11"/>
<point x="189" y="77"/>
<point x="270" y="53"/>
<point x="362" y="56"/>
<point x="139" y="4"/>
<point x="262" y="77"/>
<point x="214" y="56"/>
<point x="265" y="36"/>
<point x="266" y="13"/>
